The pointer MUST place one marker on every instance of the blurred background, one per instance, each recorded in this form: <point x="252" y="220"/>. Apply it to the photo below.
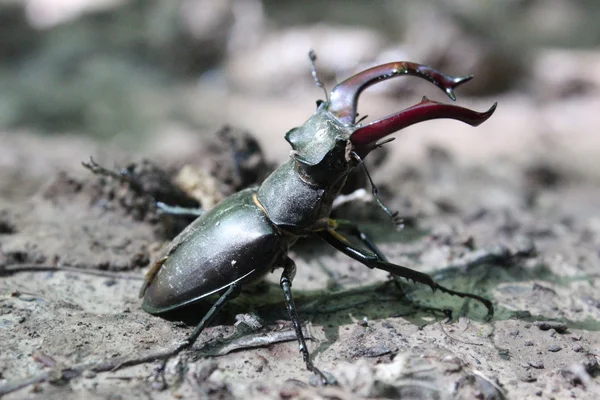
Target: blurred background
<point x="154" y="76"/>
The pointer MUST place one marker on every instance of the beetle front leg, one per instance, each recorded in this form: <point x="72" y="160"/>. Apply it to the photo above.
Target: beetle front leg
<point x="287" y="276"/>
<point x="372" y="260"/>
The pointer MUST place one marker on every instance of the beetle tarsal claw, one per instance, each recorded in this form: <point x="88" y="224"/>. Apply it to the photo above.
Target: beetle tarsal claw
<point x="319" y="378"/>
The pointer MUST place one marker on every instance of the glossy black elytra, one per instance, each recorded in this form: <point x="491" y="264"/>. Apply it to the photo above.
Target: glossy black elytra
<point x="248" y="234"/>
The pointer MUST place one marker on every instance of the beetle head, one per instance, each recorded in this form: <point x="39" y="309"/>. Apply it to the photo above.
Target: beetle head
<point x="325" y="143"/>
<point x="335" y="120"/>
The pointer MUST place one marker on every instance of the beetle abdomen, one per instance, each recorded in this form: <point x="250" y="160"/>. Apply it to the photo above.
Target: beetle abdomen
<point x="232" y="242"/>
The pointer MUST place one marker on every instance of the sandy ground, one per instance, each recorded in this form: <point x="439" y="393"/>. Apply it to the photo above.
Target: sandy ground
<point x="525" y="235"/>
<point x="509" y="210"/>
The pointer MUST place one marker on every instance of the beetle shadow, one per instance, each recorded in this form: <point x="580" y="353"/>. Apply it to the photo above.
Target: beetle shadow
<point x="334" y="308"/>
<point x="382" y="301"/>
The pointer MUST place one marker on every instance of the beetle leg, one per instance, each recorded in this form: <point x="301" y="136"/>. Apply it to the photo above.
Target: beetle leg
<point x="287" y="276"/>
<point x="372" y="260"/>
<point x="123" y="175"/>
<point x="352" y="229"/>
<point x="169" y="191"/>
<point x="393" y="215"/>
<point x="180" y="211"/>
<point x="232" y="292"/>
<point x="98" y="169"/>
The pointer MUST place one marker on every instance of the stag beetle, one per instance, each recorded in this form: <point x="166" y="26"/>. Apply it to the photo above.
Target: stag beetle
<point x="249" y="234"/>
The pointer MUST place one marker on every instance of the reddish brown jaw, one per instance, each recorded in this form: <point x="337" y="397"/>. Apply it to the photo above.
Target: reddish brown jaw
<point x="366" y="137"/>
<point x="344" y="96"/>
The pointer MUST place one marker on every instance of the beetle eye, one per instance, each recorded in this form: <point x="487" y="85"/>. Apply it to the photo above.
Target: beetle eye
<point x="319" y="102"/>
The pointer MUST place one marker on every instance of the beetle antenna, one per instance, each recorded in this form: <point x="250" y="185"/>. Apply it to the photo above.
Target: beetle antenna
<point x="393" y="215"/>
<point x="361" y="119"/>
<point x="385" y="141"/>
<point x="313" y="69"/>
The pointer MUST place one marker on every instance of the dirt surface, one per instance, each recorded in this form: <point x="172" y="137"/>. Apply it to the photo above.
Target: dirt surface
<point x="527" y="238"/>
<point x="188" y="101"/>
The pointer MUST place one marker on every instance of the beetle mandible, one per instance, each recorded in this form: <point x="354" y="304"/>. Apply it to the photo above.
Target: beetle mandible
<point x="249" y="234"/>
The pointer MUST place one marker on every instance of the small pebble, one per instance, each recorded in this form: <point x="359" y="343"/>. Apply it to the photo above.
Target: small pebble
<point x="536" y="364"/>
<point x="559" y="327"/>
<point x="554" y="348"/>
<point x="159" y="386"/>
<point x="529" y="343"/>
<point x="89" y="374"/>
<point x="25" y="297"/>
<point x="315" y="380"/>
<point x="527" y="377"/>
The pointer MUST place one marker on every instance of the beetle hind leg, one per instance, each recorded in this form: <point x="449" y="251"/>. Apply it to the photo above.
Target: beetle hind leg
<point x="287" y="276"/>
<point x="353" y="230"/>
<point x="373" y="260"/>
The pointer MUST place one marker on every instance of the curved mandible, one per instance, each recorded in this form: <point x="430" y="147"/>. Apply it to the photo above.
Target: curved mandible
<point x="365" y="138"/>
<point x="344" y="97"/>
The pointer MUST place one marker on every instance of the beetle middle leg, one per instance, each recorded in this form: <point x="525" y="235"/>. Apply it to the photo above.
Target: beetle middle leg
<point x="179" y="211"/>
<point x="153" y="183"/>
<point x="373" y="260"/>
<point x="122" y="175"/>
<point x="289" y="271"/>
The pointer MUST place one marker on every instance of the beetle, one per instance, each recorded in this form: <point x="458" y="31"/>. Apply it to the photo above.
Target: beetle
<point x="248" y="234"/>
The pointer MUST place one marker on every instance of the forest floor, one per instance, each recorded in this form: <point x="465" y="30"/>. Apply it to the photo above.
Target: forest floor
<point x="525" y="236"/>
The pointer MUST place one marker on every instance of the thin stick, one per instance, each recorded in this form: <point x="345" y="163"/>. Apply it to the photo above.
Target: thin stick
<point x="16" y="268"/>
<point x="78" y="369"/>
<point x="66" y="374"/>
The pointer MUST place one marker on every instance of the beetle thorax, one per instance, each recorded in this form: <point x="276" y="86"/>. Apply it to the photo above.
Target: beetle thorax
<point x="302" y="190"/>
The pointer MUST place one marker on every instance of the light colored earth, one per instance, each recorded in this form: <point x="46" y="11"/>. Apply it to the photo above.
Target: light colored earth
<point x="371" y="340"/>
